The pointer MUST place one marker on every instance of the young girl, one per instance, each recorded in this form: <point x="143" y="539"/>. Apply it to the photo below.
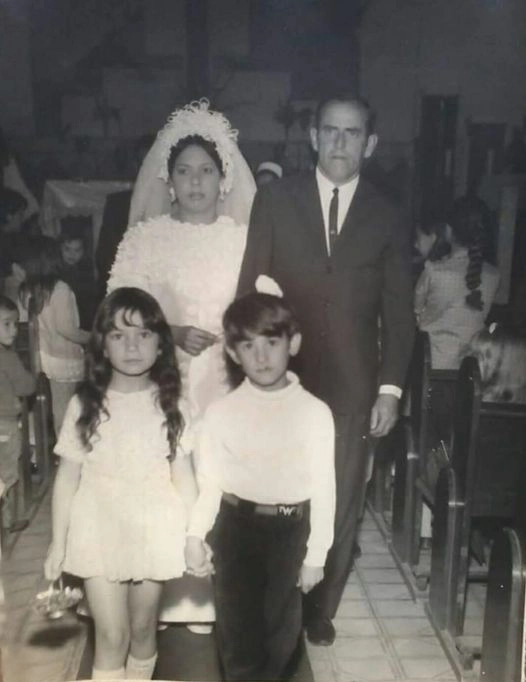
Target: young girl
<point x="453" y="295"/>
<point x="60" y="337"/>
<point x="118" y="520"/>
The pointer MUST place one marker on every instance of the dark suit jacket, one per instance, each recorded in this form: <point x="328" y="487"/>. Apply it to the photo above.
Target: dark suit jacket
<point x="339" y="299"/>
<point x="113" y="227"/>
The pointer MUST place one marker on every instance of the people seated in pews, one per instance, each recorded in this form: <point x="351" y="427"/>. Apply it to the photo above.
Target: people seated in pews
<point x="15" y="382"/>
<point x="453" y="295"/>
<point x="60" y="336"/>
<point x="77" y="269"/>
<point x="502" y="360"/>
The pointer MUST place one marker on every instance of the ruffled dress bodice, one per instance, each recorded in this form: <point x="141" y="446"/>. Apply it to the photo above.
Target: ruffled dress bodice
<point x="192" y="271"/>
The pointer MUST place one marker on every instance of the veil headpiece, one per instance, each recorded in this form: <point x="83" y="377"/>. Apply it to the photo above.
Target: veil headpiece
<point x="196" y="118"/>
<point x="151" y="197"/>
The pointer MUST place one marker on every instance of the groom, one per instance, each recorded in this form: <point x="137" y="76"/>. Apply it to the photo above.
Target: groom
<point x="339" y="251"/>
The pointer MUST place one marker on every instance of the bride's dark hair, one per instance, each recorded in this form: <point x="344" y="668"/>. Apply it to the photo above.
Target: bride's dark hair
<point x="164" y="373"/>
<point x="199" y="141"/>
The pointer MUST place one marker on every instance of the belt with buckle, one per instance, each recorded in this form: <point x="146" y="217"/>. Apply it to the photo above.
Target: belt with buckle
<point x="287" y="510"/>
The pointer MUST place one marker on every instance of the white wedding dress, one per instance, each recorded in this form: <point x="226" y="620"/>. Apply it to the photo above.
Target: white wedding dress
<point x="192" y="271"/>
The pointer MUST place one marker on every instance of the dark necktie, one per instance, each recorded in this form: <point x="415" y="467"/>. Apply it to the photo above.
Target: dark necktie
<point x="333" y="220"/>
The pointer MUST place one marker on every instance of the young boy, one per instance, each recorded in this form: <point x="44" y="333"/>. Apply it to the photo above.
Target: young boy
<point x="267" y="487"/>
<point x="15" y="381"/>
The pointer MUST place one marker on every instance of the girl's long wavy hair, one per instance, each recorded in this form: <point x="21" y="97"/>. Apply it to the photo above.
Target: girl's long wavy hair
<point x="164" y="373"/>
<point x="467" y="222"/>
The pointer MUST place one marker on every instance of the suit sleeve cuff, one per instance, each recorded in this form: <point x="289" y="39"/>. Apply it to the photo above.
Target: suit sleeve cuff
<point x="390" y="389"/>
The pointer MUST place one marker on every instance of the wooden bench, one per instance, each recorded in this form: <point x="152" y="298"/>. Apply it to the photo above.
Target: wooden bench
<point x="484" y="480"/>
<point x="427" y="426"/>
<point x="503" y="642"/>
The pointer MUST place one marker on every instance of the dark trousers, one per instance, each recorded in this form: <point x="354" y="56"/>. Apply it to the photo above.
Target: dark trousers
<point x="351" y="473"/>
<point x="257" y="561"/>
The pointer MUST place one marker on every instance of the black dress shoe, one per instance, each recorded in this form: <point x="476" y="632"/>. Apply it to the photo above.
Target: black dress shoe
<point x="320" y="631"/>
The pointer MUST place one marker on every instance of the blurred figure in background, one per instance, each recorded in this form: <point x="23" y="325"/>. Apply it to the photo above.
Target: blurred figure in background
<point x="453" y="295"/>
<point x="268" y="171"/>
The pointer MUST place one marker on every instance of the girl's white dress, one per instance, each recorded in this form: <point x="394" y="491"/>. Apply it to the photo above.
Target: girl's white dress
<point x="127" y="519"/>
<point x="192" y="271"/>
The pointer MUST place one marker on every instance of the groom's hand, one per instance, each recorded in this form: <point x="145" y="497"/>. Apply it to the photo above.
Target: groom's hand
<point x="384" y="415"/>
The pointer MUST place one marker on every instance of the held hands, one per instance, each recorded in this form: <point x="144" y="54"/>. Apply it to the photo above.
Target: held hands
<point x="198" y="557"/>
<point x="310" y="576"/>
<point x="384" y="415"/>
<point x="54" y="562"/>
<point x="192" y="339"/>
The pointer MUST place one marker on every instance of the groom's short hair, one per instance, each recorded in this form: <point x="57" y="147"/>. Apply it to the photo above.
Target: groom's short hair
<point x="348" y="98"/>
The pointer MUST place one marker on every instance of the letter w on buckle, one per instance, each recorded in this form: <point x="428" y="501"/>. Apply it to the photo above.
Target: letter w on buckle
<point x="287" y="509"/>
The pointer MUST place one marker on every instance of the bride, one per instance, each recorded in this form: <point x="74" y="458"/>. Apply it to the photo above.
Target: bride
<point x="189" y="214"/>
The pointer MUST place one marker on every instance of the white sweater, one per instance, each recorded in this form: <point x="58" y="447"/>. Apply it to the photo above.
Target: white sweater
<point x="269" y="447"/>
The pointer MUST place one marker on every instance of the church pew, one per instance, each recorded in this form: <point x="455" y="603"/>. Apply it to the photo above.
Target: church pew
<point x="426" y="427"/>
<point x="503" y="642"/>
<point x="483" y="481"/>
<point x="41" y="408"/>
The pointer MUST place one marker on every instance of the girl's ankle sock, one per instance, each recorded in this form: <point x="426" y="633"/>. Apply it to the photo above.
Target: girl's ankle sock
<point x="140" y="668"/>
<point x="98" y="674"/>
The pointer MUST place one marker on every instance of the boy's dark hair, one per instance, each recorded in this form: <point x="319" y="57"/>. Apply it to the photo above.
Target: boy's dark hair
<point x="7" y="304"/>
<point x="259" y="314"/>
<point x="72" y="229"/>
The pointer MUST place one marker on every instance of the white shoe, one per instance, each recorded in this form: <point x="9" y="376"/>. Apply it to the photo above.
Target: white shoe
<point x="200" y="628"/>
<point x="162" y="626"/>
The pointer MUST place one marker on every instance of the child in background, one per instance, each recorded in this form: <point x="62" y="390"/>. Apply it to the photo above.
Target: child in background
<point x="453" y="295"/>
<point x="119" y="499"/>
<point x="77" y="268"/>
<point x="15" y="382"/>
<point x="267" y="488"/>
<point x="502" y="361"/>
<point x="60" y="336"/>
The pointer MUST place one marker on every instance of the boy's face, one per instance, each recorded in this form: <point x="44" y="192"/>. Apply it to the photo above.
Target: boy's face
<point x="264" y="359"/>
<point x="8" y="327"/>
<point x="72" y="251"/>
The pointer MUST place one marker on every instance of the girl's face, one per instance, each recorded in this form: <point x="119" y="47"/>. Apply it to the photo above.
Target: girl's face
<point x="196" y="183"/>
<point x="132" y="351"/>
<point x="424" y="242"/>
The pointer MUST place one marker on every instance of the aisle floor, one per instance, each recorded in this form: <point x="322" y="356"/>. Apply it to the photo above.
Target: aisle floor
<point x="383" y="635"/>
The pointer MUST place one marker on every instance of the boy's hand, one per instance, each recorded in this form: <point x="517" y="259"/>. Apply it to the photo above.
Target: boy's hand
<point x="309" y="577"/>
<point x="198" y="559"/>
<point x="54" y="562"/>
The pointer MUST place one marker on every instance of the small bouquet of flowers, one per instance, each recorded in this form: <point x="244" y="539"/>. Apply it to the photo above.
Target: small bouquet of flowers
<point x="54" y="601"/>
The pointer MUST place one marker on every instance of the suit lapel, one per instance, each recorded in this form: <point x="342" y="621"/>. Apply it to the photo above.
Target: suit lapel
<point x="308" y="200"/>
<point x="355" y="216"/>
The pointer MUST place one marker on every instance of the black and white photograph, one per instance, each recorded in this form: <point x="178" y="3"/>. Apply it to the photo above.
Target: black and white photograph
<point x="262" y="340"/>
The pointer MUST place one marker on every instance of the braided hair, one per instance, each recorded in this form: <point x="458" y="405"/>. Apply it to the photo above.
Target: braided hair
<point x="466" y="219"/>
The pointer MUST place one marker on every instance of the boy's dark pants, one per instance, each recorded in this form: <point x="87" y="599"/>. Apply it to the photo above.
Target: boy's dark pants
<point x="257" y="562"/>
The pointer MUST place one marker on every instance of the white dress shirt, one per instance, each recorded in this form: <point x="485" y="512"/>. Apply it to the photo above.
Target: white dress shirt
<point x="345" y="196"/>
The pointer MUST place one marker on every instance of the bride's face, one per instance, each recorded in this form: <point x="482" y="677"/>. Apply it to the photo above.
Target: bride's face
<point x="196" y="182"/>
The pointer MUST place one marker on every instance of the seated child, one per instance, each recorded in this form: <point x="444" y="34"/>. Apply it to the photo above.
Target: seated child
<point x="77" y="269"/>
<point x="267" y="493"/>
<point x="502" y="360"/>
<point x="15" y="381"/>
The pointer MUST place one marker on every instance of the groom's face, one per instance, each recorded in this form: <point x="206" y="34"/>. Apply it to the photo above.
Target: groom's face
<point x="341" y="141"/>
